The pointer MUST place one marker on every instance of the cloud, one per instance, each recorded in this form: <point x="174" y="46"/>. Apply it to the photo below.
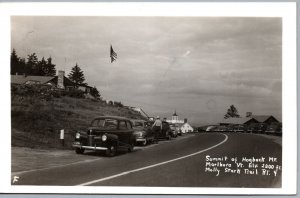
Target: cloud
<point x="186" y="53"/>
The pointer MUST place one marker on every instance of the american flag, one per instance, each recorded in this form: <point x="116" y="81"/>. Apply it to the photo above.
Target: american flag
<point x="113" y="55"/>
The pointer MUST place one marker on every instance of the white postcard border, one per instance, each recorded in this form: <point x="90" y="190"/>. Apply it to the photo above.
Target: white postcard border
<point x="289" y="141"/>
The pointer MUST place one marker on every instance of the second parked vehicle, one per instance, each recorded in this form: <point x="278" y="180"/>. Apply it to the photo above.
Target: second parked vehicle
<point x="174" y="130"/>
<point x="166" y="132"/>
<point x="142" y="132"/>
<point x="274" y="129"/>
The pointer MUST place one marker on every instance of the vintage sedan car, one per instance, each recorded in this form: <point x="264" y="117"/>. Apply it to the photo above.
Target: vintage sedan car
<point x="106" y="133"/>
<point x="220" y="129"/>
<point x="202" y="129"/>
<point x="239" y="128"/>
<point x="142" y="132"/>
<point x="274" y="129"/>
<point x="174" y="130"/>
<point x="211" y="128"/>
<point x="256" y="128"/>
<point x="166" y="132"/>
<point x="230" y="128"/>
<point x="178" y="129"/>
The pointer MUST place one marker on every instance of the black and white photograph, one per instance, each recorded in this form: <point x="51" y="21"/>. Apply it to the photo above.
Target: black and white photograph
<point x="147" y="101"/>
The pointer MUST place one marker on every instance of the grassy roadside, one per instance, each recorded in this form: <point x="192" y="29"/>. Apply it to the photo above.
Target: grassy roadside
<point x="36" y="122"/>
<point x="276" y="139"/>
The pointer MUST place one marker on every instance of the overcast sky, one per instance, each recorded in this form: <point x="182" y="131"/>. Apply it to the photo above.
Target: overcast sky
<point x="196" y="65"/>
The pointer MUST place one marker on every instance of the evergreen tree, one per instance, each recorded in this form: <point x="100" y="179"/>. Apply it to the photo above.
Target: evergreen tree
<point x="76" y="75"/>
<point x="232" y="112"/>
<point x="17" y="64"/>
<point x="14" y="62"/>
<point x="50" y="68"/>
<point x="118" y="104"/>
<point x="94" y="92"/>
<point x="22" y="66"/>
<point x="41" y="68"/>
<point x="32" y="65"/>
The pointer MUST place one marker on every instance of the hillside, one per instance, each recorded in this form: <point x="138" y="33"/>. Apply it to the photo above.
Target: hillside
<point x="36" y="120"/>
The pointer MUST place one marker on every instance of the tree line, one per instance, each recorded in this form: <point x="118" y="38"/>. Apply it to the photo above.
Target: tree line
<point x="32" y="66"/>
<point x="35" y="67"/>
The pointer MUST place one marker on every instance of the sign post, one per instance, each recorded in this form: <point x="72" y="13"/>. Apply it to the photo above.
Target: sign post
<point x="62" y="137"/>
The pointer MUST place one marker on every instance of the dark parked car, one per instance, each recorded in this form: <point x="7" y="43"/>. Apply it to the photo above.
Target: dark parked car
<point x="220" y="129"/>
<point x="211" y="128"/>
<point x="166" y="132"/>
<point x="230" y="128"/>
<point x="256" y="128"/>
<point x="202" y="128"/>
<point x="239" y="128"/>
<point x="179" y="132"/>
<point x="142" y="132"/>
<point x="106" y="133"/>
<point x="274" y="129"/>
<point x="174" y="130"/>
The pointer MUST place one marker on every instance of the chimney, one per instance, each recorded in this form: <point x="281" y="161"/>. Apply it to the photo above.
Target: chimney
<point x="185" y="120"/>
<point x="60" y="79"/>
<point x="248" y="114"/>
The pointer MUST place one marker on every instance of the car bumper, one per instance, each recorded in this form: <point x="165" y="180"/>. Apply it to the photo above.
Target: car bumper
<point x="140" y="140"/>
<point x="78" y="145"/>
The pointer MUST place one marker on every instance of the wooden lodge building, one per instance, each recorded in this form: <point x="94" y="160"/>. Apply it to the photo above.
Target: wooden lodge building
<point x="59" y="81"/>
<point x="267" y="119"/>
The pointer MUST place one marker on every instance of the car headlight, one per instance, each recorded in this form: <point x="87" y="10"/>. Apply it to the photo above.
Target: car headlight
<point x="139" y="133"/>
<point x="104" y="138"/>
<point x="77" y="135"/>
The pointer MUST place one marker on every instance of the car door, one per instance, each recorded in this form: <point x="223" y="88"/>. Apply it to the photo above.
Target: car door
<point x="129" y="132"/>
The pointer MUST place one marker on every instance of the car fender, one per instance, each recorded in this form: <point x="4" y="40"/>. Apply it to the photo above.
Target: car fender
<point x="112" y="137"/>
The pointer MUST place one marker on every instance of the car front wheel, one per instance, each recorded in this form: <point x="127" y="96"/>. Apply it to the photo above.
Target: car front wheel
<point x="79" y="150"/>
<point x="111" y="150"/>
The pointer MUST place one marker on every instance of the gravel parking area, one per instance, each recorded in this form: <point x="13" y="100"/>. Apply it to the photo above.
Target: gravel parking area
<point x="27" y="159"/>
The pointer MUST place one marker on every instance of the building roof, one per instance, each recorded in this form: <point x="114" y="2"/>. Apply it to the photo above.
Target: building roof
<point x="236" y="120"/>
<point x="258" y="118"/>
<point x="21" y="79"/>
<point x="261" y="118"/>
<point x="84" y="85"/>
<point x="113" y="117"/>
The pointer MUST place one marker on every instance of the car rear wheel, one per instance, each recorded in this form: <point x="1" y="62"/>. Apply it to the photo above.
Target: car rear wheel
<point x="111" y="150"/>
<point x="130" y="148"/>
<point x="79" y="150"/>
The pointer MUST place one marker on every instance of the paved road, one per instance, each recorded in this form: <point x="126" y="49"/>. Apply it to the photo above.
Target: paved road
<point x="181" y="162"/>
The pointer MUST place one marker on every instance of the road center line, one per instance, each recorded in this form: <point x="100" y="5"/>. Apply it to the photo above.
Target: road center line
<point x="151" y="166"/>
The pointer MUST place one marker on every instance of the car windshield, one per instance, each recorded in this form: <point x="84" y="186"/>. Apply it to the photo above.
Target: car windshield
<point x="149" y="124"/>
<point x="172" y="126"/>
<point x="138" y="124"/>
<point x="105" y="123"/>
